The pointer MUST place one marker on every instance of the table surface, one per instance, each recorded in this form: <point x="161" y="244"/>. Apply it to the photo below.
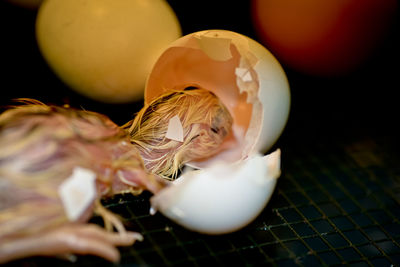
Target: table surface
<point x="335" y="203"/>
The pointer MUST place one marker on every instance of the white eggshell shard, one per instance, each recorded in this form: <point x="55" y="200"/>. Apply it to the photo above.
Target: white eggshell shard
<point x="242" y="73"/>
<point x="222" y="198"/>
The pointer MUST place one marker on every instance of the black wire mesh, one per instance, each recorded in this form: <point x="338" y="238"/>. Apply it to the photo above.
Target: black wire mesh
<point x="334" y="204"/>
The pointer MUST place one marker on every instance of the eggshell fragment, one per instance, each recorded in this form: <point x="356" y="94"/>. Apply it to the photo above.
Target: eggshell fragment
<point x="222" y="198"/>
<point x="78" y="192"/>
<point x="175" y="129"/>
<point x="242" y="73"/>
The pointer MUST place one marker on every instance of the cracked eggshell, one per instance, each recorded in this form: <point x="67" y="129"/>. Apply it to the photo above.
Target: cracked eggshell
<point x="222" y="198"/>
<point x="242" y="73"/>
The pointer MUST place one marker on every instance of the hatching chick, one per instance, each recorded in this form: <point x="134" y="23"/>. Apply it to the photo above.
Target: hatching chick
<point x="205" y="120"/>
<point x="40" y="147"/>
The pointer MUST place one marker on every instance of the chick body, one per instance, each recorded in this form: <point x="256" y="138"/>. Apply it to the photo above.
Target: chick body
<point x="40" y="147"/>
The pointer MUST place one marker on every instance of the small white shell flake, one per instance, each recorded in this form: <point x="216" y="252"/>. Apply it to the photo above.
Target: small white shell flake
<point x="78" y="192"/>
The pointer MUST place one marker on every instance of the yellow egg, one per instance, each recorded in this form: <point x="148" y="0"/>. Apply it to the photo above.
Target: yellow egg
<point x="242" y="73"/>
<point x="105" y="49"/>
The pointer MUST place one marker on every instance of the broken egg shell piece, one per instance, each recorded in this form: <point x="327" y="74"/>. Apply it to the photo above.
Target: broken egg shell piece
<point x="242" y="73"/>
<point x="175" y="129"/>
<point x="78" y="192"/>
<point x="222" y="198"/>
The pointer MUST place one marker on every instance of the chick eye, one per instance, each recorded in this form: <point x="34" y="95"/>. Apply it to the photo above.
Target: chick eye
<point x="194" y="137"/>
<point x="215" y="130"/>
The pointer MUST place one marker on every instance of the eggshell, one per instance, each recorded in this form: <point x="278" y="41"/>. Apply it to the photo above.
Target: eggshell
<point x="222" y="198"/>
<point x="105" y="49"/>
<point x="242" y="73"/>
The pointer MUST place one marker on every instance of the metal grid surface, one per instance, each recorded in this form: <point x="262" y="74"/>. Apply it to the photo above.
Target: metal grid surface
<point x="334" y="204"/>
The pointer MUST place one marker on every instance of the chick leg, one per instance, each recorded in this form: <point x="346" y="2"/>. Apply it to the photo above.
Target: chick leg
<point x="69" y="239"/>
<point x="110" y="219"/>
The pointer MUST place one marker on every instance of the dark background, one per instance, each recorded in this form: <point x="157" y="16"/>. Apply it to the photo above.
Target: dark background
<point x="337" y="201"/>
<point x="364" y="102"/>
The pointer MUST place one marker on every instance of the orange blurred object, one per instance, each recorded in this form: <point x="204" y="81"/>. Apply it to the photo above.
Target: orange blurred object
<point x="329" y="37"/>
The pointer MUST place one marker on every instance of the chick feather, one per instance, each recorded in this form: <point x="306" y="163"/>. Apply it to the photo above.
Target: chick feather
<point x="40" y="147"/>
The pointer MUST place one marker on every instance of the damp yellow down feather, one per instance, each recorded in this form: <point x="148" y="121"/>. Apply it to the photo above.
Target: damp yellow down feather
<point x="205" y="121"/>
